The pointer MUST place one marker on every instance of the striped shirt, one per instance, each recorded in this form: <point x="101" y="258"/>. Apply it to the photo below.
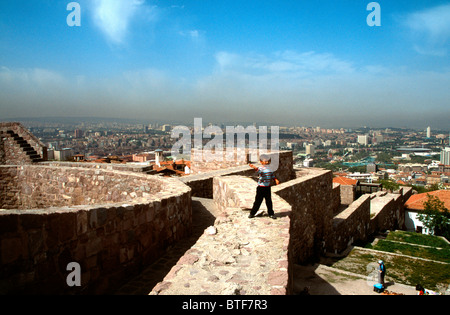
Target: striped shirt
<point x="265" y="176"/>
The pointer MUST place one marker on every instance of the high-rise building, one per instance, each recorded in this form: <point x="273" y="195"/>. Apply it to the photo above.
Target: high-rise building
<point x="445" y="156"/>
<point x="78" y="133"/>
<point x="310" y="149"/>
<point x="428" y="132"/>
<point x="363" y="140"/>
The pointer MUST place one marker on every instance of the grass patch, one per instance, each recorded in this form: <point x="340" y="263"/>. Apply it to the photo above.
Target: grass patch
<point x="413" y="250"/>
<point x="432" y="275"/>
<point x="419" y="239"/>
<point x="409" y="271"/>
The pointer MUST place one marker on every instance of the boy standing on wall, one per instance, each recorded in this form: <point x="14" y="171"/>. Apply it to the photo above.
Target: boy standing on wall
<point x="263" y="191"/>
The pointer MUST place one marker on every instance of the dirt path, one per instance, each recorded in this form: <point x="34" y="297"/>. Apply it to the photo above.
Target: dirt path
<point x="323" y="280"/>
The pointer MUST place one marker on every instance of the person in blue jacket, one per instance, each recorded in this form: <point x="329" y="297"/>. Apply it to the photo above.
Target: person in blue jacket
<point x="381" y="272"/>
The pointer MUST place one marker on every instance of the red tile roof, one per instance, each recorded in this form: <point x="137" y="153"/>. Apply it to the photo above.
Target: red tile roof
<point x="415" y="202"/>
<point x="344" y="180"/>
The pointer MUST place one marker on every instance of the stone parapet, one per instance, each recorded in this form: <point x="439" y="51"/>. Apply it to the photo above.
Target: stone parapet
<point x="106" y="166"/>
<point x="202" y="184"/>
<point x="110" y="241"/>
<point x="37" y="186"/>
<point x="351" y="225"/>
<point x="312" y="211"/>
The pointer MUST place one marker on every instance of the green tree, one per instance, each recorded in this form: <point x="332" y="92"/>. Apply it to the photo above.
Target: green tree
<point x="389" y="184"/>
<point x="435" y="217"/>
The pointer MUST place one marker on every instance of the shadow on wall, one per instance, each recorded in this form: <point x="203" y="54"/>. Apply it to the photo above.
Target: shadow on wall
<point x="202" y="218"/>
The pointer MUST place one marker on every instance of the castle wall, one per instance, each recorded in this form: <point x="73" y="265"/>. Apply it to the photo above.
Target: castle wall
<point x="42" y="186"/>
<point x="336" y="198"/>
<point x="103" y="166"/>
<point x="202" y="184"/>
<point x="110" y="241"/>
<point x="348" y="194"/>
<point x="284" y="170"/>
<point x="387" y="210"/>
<point x="11" y="153"/>
<point x="312" y="212"/>
<point x="350" y="225"/>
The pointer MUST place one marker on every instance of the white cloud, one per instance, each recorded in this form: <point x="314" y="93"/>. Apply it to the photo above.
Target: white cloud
<point x="113" y="17"/>
<point x="430" y="30"/>
<point x="192" y="34"/>
<point x="285" y="62"/>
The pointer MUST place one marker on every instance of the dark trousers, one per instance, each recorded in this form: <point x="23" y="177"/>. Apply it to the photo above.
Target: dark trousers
<point x="263" y="193"/>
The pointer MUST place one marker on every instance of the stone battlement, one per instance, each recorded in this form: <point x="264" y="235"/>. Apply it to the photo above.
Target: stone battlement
<point x="110" y="222"/>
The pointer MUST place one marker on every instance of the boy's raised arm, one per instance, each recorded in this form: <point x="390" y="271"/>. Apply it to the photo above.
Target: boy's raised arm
<point x="253" y="166"/>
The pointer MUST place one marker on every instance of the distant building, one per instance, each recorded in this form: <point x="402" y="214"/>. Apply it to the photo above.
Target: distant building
<point x="310" y="149"/>
<point x="308" y="162"/>
<point x="291" y="145"/>
<point x="166" y="128"/>
<point x="143" y="157"/>
<point x="372" y="168"/>
<point x="78" y="158"/>
<point x="63" y="154"/>
<point x="428" y="132"/>
<point x="159" y="157"/>
<point x="78" y="133"/>
<point x="379" y="138"/>
<point x="445" y="156"/>
<point x="363" y="139"/>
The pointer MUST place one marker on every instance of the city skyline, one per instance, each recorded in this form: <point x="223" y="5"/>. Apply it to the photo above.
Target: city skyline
<point x="302" y="63"/>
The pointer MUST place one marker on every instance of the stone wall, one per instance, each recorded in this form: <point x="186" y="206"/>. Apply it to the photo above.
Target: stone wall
<point x="111" y="241"/>
<point x="368" y="215"/>
<point x="284" y="170"/>
<point x="105" y="166"/>
<point x="312" y="211"/>
<point x="348" y="194"/>
<point x="23" y="151"/>
<point x="351" y="225"/>
<point x="336" y="198"/>
<point x="202" y="184"/>
<point x="387" y="210"/>
<point x="44" y="186"/>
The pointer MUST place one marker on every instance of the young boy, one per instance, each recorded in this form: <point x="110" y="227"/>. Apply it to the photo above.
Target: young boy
<point x="263" y="191"/>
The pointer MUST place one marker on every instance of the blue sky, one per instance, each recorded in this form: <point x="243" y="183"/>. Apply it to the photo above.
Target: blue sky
<point x="281" y="62"/>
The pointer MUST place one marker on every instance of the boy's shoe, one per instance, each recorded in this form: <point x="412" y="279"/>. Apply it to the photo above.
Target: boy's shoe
<point x="273" y="216"/>
<point x="251" y="216"/>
